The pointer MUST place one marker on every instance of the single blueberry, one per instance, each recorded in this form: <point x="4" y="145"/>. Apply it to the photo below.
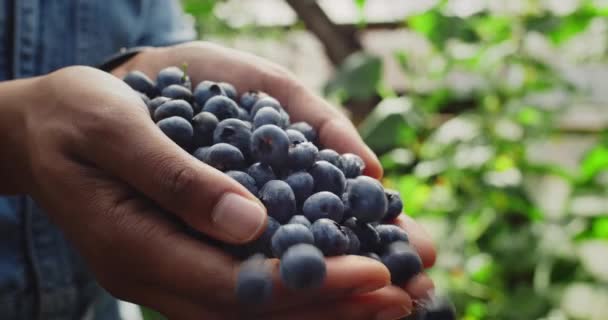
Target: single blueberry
<point x="155" y="103"/>
<point x="222" y="107"/>
<point x="177" y="129"/>
<point x="204" y="125"/>
<point x="267" y="115"/>
<point x="302" y="156"/>
<point x="390" y="233"/>
<point x="323" y="204"/>
<point x="395" y="205"/>
<point x="285" y="119"/>
<point x="229" y="89"/>
<point x="437" y="308"/>
<point x="179" y="108"/>
<point x="139" y="81"/>
<point x="303" y="267"/>
<point x="176" y="91"/>
<point x="369" y="238"/>
<point x="244" y="179"/>
<point x="330" y="156"/>
<point x="172" y="75"/>
<point x="295" y="136"/>
<point x="249" y="98"/>
<point x="351" y="165"/>
<point x="328" y="178"/>
<point x="254" y="281"/>
<point x="225" y="157"/>
<point x="302" y="185"/>
<point x="306" y="129"/>
<point x="243" y="115"/>
<point x="329" y="238"/>
<point x="206" y="90"/>
<point x="279" y="200"/>
<point x="270" y="145"/>
<point x="263" y="243"/>
<point x="300" y="219"/>
<point x="402" y="261"/>
<point x="266" y="101"/>
<point x="234" y="132"/>
<point x="289" y="235"/>
<point x="201" y="153"/>
<point x="261" y="173"/>
<point x="354" y="245"/>
<point x="366" y="200"/>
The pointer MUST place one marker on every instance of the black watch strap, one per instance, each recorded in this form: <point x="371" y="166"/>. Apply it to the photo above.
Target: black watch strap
<point x="119" y="58"/>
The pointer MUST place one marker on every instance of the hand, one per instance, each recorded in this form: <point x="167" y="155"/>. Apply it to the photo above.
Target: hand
<point x="107" y="176"/>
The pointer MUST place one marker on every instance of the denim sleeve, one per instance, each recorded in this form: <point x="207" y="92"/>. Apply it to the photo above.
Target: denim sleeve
<point x="165" y="23"/>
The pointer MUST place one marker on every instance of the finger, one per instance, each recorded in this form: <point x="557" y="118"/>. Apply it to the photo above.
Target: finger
<point x="419" y="238"/>
<point x="419" y="287"/>
<point x="249" y="72"/>
<point x="127" y="144"/>
<point x="388" y="303"/>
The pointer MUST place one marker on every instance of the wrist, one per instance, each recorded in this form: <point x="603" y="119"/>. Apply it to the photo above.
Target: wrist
<point x="18" y="96"/>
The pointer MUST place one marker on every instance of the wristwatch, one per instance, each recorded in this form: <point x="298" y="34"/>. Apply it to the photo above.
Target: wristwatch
<point x="124" y="55"/>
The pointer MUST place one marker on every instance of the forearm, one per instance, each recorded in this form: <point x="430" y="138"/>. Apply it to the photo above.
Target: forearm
<point x="15" y="97"/>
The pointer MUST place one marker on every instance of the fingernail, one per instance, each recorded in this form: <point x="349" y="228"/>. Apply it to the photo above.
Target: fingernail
<point x="238" y="216"/>
<point x="393" y="313"/>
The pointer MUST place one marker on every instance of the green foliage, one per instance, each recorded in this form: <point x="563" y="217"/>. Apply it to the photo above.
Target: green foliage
<point x="357" y="78"/>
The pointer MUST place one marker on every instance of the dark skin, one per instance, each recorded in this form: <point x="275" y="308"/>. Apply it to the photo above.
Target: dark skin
<point x="81" y="143"/>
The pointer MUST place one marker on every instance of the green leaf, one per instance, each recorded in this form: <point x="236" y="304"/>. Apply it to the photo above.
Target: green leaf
<point x="561" y="29"/>
<point x="594" y="162"/>
<point x="599" y="228"/>
<point x="439" y="28"/>
<point x="357" y="78"/>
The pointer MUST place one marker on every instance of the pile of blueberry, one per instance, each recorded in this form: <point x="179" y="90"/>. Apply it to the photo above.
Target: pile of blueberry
<point x="319" y="203"/>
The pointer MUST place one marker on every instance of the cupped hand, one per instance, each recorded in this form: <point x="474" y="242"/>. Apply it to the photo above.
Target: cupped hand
<point x="109" y="178"/>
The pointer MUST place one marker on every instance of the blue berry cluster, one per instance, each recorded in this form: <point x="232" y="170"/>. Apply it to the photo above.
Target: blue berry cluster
<point x="319" y="202"/>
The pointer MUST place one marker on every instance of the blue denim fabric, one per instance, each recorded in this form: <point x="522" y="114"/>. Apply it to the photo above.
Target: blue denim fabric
<point x="41" y="276"/>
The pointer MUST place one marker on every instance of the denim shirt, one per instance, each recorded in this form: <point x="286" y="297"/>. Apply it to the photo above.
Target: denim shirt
<point x="41" y="276"/>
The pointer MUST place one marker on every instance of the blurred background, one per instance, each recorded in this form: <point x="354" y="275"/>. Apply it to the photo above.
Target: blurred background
<point x="489" y="117"/>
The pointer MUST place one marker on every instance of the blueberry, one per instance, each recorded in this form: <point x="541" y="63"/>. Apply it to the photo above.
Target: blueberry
<point x="261" y="173"/>
<point x="390" y="233"/>
<point x="176" y="91"/>
<point x="330" y="156"/>
<point x="204" y="125"/>
<point x="353" y="241"/>
<point x="172" y="75"/>
<point x="437" y="308"/>
<point x="366" y="200"/>
<point x="229" y="89"/>
<point x="300" y="219"/>
<point x="289" y="235"/>
<point x="395" y="205"/>
<point x="352" y="165"/>
<point x="302" y="156"/>
<point x="222" y="107"/>
<point x="372" y="255"/>
<point x="306" y="129"/>
<point x="369" y="238"/>
<point x="323" y="204"/>
<point x="201" y="153"/>
<point x="267" y="115"/>
<point x="279" y="200"/>
<point x="177" y="129"/>
<point x="402" y="262"/>
<point x="179" y="108"/>
<point x="303" y="267"/>
<point x="328" y="178"/>
<point x="206" y="90"/>
<point x="302" y="185"/>
<point x="329" y="238"/>
<point x="270" y="145"/>
<point x="244" y="179"/>
<point x="243" y="115"/>
<point x="225" y="157"/>
<point x="295" y="136"/>
<point x="263" y="243"/>
<point x="155" y="103"/>
<point x="254" y="281"/>
<point x="249" y="98"/>
<point x="284" y="118"/>
<point x="266" y="101"/>
<point x="234" y="132"/>
<point x="139" y="81"/>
